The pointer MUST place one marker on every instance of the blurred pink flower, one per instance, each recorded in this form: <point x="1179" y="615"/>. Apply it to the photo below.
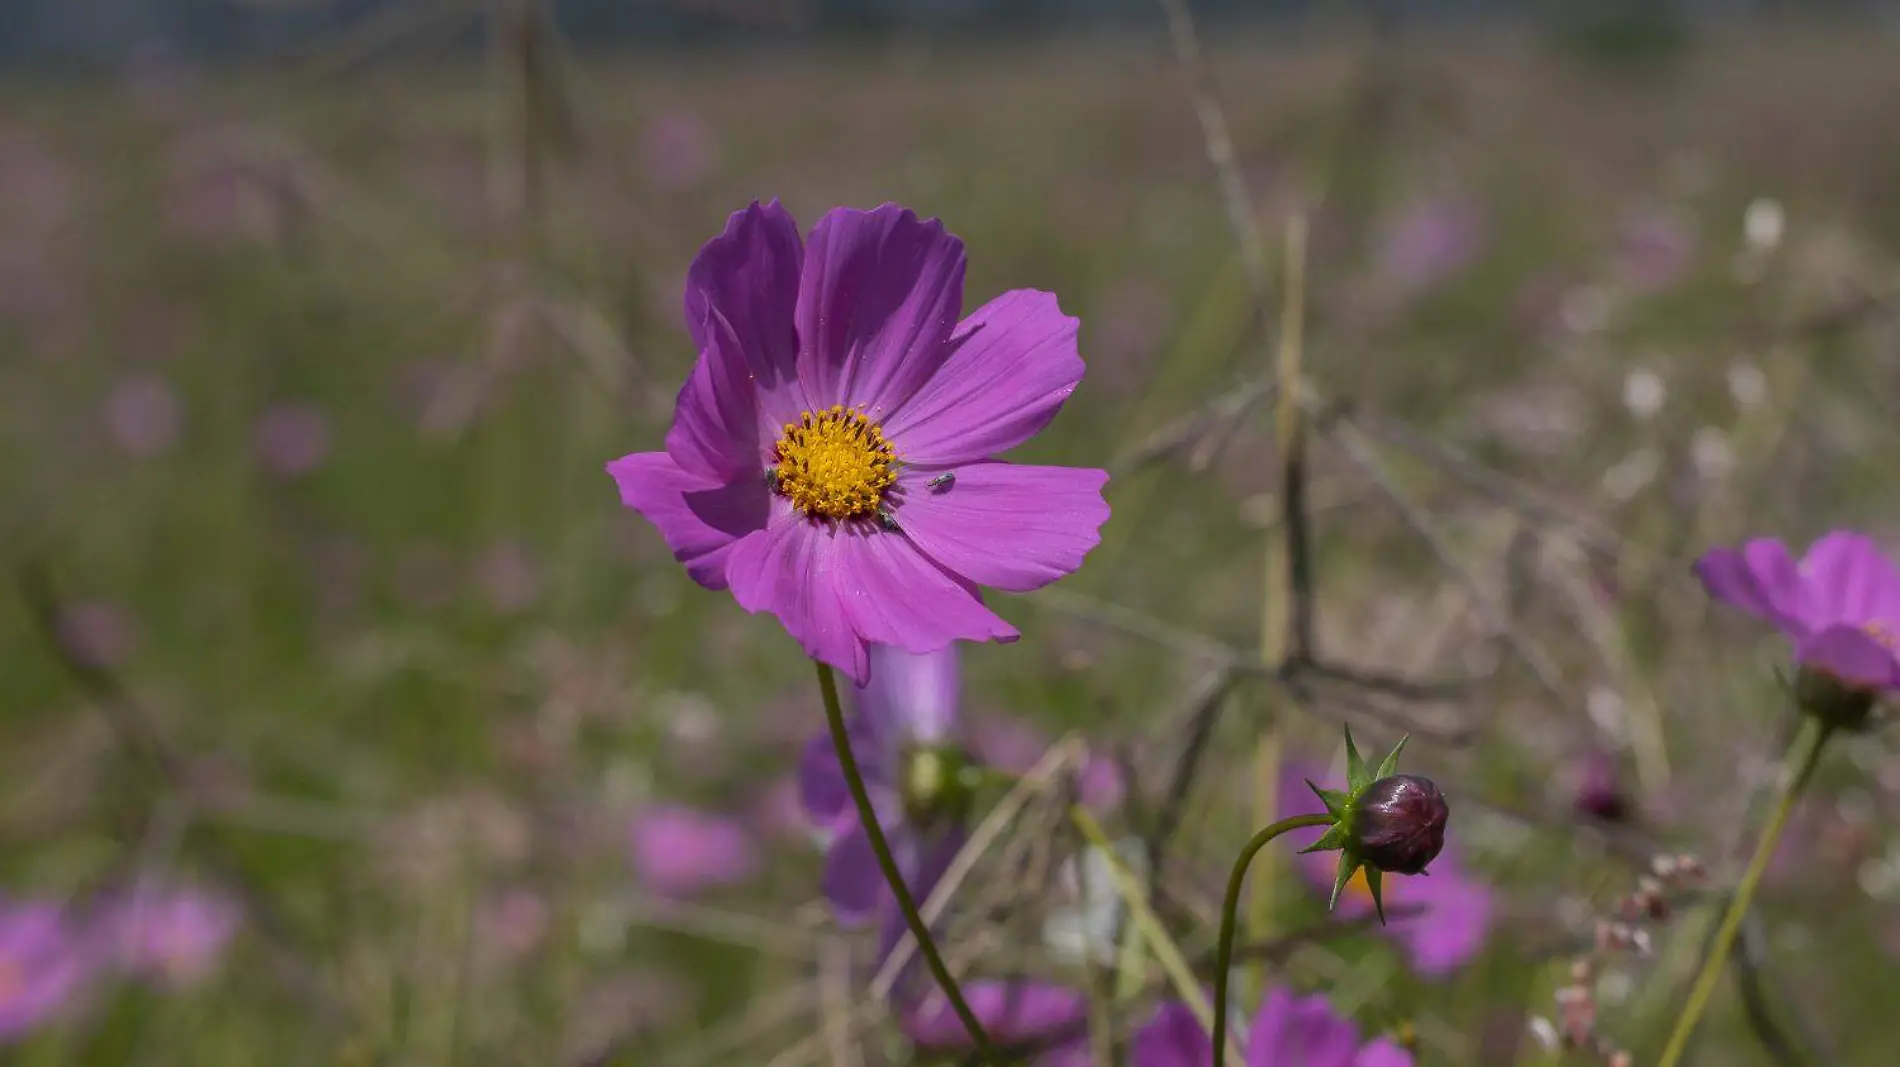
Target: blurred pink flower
<point x="174" y="936"/>
<point x="1012" y="745"/>
<point x="292" y="439"/>
<point x="1653" y="251"/>
<point x="42" y="966"/>
<point x="509" y="577"/>
<point x="679" y="851"/>
<point x="677" y="149"/>
<point x="143" y="415"/>
<point x="1432" y="242"/>
<point x="514" y="923"/>
<point x="213" y="195"/>
<point x="97" y="633"/>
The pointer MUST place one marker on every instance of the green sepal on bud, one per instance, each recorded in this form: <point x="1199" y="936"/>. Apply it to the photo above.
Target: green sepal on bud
<point x="1383" y="821"/>
<point x="938" y="786"/>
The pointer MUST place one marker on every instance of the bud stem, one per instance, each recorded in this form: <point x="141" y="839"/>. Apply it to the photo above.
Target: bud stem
<point x="1224" y="949"/>
<point x="1804" y="755"/>
<point x="867" y="817"/>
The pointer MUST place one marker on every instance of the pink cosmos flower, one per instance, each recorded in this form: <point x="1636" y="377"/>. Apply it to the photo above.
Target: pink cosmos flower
<point x="1013" y="1013"/>
<point x="143" y="414"/>
<point x="43" y="966"/>
<point x="1839" y="607"/>
<point x="832" y="459"/>
<point x="1440" y="922"/>
<point x="680" y="851"/>
<point x="174" y="936"/>
<point x="1287" y="1030"/>
<point x="292" y="440"/>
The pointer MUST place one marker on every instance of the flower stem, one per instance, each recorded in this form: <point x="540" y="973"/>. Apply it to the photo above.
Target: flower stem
<point x="1804" y="756"/>
<point x="1224" y="949"/>
<point x="867" y="817"/>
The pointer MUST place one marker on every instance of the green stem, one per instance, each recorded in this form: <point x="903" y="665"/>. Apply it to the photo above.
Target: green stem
<point x="1224" y="949"/>
<point x="1804" y="756"/>
<point x="867" y="818"/>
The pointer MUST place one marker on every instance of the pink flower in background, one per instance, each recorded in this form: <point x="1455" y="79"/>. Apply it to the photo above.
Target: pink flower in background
<point x="515" y="923"/>
<point x="1839" y="606"/>
<point x="509" y="577"/>
<point x="1287" y="1031"/>
<point x="1014" y="746"/>
<point x="174" y="936"/>
<point x="1432" y="242"/>
<point x="1440" y="922"/>
<point x="1012" y="1013"/>
<point x="97" y="633"/>
<point x="43" y="966"/>
<point x="680" y="852"/>
<point x="832" y="459"/>
<point x="677" y="149"/>
<point x="214" y="194"/>
<point x="1653" y="251"/>
<point x="143" y="415"/>
<point x="292" y="440"/>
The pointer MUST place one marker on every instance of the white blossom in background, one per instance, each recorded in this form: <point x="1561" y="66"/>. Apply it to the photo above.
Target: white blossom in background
<point x="1605" y="708"/>
<point x="1087" y="928"/>
<point x="1632" y="475"/>
<point x="1644" y="393"/>
<point x="1763" y="224"/>
<point x="1711" y="453"/>
<point x="1747" y="385"/>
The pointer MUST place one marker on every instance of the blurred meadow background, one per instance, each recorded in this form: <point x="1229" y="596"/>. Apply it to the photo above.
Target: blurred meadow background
<point x="348" y="718"/>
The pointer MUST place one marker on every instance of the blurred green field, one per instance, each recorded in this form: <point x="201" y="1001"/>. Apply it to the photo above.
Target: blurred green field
<point x="308" y="379"/>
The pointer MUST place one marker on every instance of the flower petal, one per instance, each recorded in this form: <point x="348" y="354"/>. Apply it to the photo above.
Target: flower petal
<point x="716" y="426"/>
<point x="1383" y="1052"/>
<point x="1850" y="654"/>
<point x="1012" y="1012"/>
<point x="893" y="595"/>
<point x="790" y="569"/>
<point x="700" y="519"/>
<point x="853" y="882"/>
<point x="1849" y="579"/>
<point x="750" y="274"/>
<point x="1012" y="364"/>
<point x="1172" y="1038"/>
<point x="1006" y="525"/>
<point x="1761" y="579"/>
<point x="1441" y="921"/>
<point x="1302" y="1030"/>
<point x="915" y="694"/>
<point x="879" y="295"/>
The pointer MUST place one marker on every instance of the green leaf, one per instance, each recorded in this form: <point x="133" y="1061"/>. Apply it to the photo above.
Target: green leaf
<point x="1356" y="776"/>
<point x="1375" y="879"/>
<point x="1391" y="764"/>
<point x="1347" y="864"/>
<point x="1334" y="799"/>
<point x="1334" y="837"/>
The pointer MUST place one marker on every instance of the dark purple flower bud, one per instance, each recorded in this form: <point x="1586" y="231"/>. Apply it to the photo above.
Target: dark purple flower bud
<point x="1398" y="824"/>
<point x="1599" y="792"/>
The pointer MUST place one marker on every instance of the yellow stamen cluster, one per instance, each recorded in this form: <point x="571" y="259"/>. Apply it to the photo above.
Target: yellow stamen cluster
<point x="835" y="464"/>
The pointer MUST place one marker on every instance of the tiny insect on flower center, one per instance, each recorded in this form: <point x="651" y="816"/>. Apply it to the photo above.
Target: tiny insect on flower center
<point x="834" y="464"/>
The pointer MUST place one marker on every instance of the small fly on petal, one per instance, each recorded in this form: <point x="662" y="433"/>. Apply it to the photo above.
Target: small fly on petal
<point x="888" y="520"/>
<point x="943" y="482"/>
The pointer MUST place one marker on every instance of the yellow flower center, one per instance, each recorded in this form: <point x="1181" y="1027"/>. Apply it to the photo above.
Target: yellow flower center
<point x="834" y="464"/>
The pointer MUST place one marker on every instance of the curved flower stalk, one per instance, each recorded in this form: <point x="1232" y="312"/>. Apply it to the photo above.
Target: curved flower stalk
<point x="1381" y="822"/>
